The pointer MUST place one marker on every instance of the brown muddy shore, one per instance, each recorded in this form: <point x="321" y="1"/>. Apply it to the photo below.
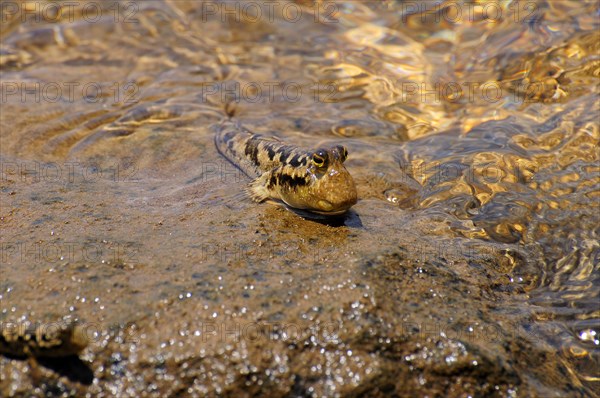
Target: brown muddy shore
<point x="371" y="305"/>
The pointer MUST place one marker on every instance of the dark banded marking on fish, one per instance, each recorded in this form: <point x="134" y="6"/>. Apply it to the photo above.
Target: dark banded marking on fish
<point x="316" y="180"/>
<point x="42" y="340"/>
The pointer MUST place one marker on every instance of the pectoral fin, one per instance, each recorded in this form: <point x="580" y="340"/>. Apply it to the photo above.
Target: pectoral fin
<point x="258" y="190"/>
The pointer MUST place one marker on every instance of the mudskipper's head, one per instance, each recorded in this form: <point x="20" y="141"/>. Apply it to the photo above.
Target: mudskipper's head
<point x="325" y="187"/>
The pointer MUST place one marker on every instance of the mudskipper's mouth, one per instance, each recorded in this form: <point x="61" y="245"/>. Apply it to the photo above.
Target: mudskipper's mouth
<point x="327" y="209"/>
<point x="330" y="213"/>
<point x="325" y="206"/>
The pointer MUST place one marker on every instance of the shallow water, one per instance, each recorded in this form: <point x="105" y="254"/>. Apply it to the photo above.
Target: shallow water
<point x="469" y="265"/>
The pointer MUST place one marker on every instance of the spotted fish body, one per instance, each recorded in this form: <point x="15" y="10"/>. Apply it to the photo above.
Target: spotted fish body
<point x="42" y="340"/>
<point x="316" y="181"/>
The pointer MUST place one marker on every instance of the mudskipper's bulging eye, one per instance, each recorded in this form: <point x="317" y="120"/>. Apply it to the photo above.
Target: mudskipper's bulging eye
<point x="319" y="159"/>
<point x="343" y="153"/>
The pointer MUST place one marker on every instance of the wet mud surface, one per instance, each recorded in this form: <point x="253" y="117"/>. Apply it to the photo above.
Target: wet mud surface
<point x="293" y="307"/>
<point x="468" y="267"/>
